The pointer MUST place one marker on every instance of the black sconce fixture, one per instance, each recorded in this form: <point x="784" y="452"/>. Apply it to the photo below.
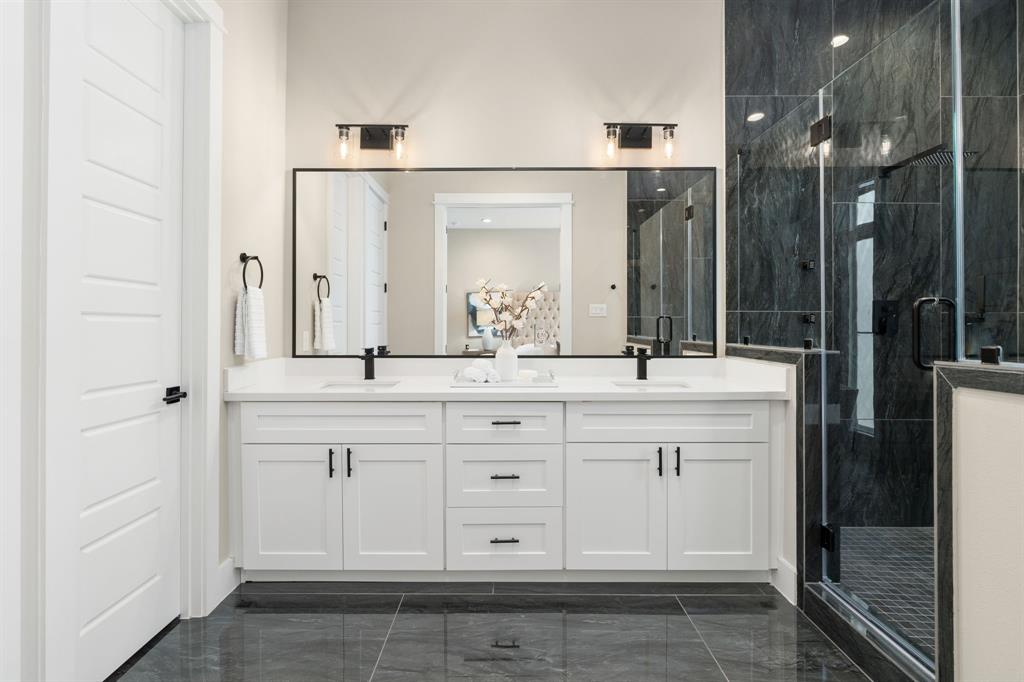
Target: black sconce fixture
<point x="372" y="136"/>
<point x="638" y="136"/>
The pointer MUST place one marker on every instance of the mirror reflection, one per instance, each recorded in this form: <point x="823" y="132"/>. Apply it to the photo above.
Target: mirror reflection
<point x="588" y="261"/>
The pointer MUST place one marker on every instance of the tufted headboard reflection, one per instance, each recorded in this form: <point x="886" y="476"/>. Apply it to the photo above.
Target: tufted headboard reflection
<point x="545" y="316"/>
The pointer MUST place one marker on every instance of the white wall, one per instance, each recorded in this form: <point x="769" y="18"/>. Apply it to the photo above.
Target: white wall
<point x="519" y="258"/>
<point x="988" y="552"/>
<point x="254" y="214"/>
<point x="507" y="83"/>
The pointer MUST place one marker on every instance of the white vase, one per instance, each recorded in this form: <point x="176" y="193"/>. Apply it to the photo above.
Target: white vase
<point x="488" y="341"/>
<point x="506" y="361"/>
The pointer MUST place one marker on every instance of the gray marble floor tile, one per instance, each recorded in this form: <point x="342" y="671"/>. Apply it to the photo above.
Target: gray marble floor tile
<point x="766" y="638"/>
<point x="236" y="603"/>
<point x="545" y="637"/>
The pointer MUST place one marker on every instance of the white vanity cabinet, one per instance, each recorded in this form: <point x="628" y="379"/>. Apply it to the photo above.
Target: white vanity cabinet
<point x="394" y="507"/>
<point x="682" y="505"/>
<point x="291" y="507"/>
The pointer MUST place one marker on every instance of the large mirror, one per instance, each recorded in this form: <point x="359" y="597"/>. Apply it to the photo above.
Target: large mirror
<point x="397" y="259"/>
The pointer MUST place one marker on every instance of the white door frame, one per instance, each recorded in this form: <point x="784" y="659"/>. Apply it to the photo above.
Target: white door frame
<point x="47" y="652"/>
<point x="444" y="201"/>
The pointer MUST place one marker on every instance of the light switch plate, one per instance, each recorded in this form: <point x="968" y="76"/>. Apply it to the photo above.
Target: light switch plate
<point x="598" y="310"/>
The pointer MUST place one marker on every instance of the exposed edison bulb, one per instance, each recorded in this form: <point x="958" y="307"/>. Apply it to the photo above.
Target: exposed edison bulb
<point x="398" y="142"/>
<point x="668" y="135"/>
<point x="612" y="134"/>
<point x="344" y="138"/>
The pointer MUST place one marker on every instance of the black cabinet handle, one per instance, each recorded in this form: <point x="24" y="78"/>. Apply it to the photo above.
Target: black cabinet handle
<point x="498" y="422"/>
<point x="498" y="644"/>
<point x="661" y="470"/>
<point x="348" y="462"/>
<point x="677" y="459"/>
<point x="505" y="541"/>
<point x="174" y="394"/>
<point x="330" y="463"/>
<point x="504" y="477"/>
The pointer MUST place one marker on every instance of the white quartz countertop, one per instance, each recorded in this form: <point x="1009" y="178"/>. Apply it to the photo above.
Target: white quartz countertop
<point x="566" y="388"/>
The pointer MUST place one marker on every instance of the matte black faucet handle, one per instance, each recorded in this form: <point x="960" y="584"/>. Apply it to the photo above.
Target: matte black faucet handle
<point x="382" y="351"/>
<point x="628" y="350"/>
<point x="368" y="352"/>
<point x="641" y="351"/>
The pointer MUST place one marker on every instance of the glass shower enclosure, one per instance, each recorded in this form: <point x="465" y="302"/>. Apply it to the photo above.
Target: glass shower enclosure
<point x="892" y="194"/>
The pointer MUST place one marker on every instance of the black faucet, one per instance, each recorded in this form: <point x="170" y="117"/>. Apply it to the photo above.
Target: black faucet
<point x="641" y="364"/>
<point x="367" y="364"/>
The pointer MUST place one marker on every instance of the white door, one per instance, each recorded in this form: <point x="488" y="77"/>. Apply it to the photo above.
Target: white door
<point x="375" y="272"/>
<point x="291" y="507"/>
<point x="112" y="332"/>
<point x="718" y="508"/>
<point x="615" y="506"/>
<point x="338" y="254"/>
<point x="394" y="507"/>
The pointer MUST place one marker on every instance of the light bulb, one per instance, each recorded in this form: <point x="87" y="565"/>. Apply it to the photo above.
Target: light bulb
<point x="668" y="134"/>
<point x="756" y="116"/>
<point x="612" y="133"/>
<point x="398" y="142"/>
<point x="840" y="40"/>
<point x="343" y="142"/>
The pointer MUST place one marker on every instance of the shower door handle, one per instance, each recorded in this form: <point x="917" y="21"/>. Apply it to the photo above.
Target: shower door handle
<point x="915" y="341"/>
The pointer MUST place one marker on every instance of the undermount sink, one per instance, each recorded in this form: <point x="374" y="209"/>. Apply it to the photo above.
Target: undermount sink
<point x="650" y="385"/>
<point x="357" y="385"/>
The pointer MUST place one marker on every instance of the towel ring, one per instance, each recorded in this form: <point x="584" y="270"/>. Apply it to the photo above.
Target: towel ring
<point x="318" y="279"/>
<point x="243" y="257"/>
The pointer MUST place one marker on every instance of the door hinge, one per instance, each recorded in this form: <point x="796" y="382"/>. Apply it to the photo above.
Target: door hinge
<point x="828" y="537"/>
<point x="385" y="226"/>
<point x="688" y="213"/>
<point x="385" y="287"/>
<point x="821" y="130"/>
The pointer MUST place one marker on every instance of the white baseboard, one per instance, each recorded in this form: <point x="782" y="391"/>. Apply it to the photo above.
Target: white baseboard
<point x="227" y="578"/>
<point x="784" y="580"/>
<point x="515" y="576"/>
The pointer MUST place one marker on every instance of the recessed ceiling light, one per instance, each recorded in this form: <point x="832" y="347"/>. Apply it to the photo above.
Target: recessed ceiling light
<point x="485" y="220"/>
<point x="661" y="189"/>
<point x="756" y="116"/>
<point x="840" y="40"/>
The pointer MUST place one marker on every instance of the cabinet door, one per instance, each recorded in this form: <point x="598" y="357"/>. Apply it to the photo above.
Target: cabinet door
<point x="394" y="507"/>
<point x="291" y="507"/>
<point x="718" y="506"/>
<point x="615" y="506"/>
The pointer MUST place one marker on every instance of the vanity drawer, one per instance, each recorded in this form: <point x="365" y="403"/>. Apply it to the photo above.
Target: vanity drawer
<point x="504" y="423"/>
<point x="504" y="538"/>
<point x="504" y="475"/>
<point x="725" y="421"/>
<point x="330" y="422"/>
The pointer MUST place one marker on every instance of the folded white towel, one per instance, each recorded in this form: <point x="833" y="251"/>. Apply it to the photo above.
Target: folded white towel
<point x="240" y="323"/>
<point x="492" y="376"/>
<point x="483" y="363"/>
<point x="477" y="376"/>
<point x="318" y="340"/>
<point x="254" y="324"/>
<point x="326" y="326"/>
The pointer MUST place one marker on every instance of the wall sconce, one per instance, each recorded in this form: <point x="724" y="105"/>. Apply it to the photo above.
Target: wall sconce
<point x="372" y="136"/>
<point x="638" y="136"/>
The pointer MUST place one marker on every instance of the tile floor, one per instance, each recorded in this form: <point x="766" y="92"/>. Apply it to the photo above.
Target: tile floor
<point x="496" y="631"/>
<point x="891" y="570"/>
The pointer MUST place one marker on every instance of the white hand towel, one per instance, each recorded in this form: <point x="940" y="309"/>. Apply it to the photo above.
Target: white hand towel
<point x="318" y="338"/>
<point x="477" y="376"/>
<point x="255" y="324"/>
<point x="326" y="325"/>
<point x="492" y="376"/>
<point x="240" y="323"/>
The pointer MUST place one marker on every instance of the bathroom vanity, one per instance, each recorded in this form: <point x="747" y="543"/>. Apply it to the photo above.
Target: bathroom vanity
<point x="679" y="477"/>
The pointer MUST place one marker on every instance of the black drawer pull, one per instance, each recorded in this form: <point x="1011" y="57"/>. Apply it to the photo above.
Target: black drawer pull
<point x="677" y="460"/>
<point x="498" y="644"/>
<point x="348" y="462"/>
<point x="330" y="463"/>
<point x="513" y="422"/>
<point x="505" y="541"/>
<point x="505" y="477"/>
<point x="661" y="469"/>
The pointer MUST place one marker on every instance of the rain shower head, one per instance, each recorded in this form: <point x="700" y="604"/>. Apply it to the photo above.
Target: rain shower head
<point x="935" y="157"/>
